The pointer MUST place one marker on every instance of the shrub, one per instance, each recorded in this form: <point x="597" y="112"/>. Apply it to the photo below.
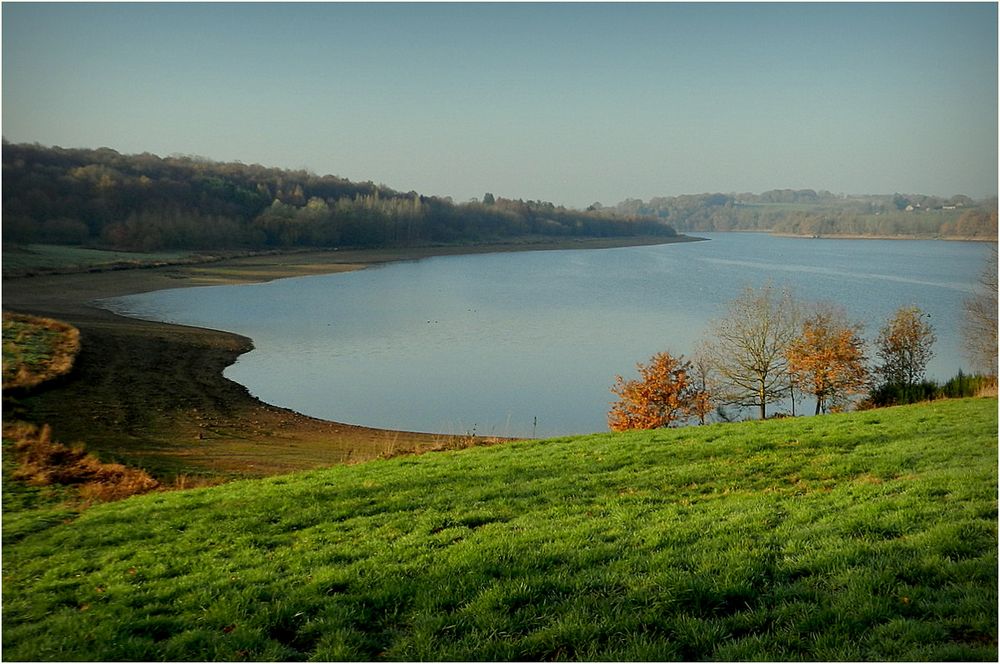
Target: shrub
<point x="898" y="394"/>
<point x="960" y="386"/>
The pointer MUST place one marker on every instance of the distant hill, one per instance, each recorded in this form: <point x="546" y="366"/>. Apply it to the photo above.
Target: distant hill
<point x="855" y="537"/>
<point x="101" y="198"/>
<point x="811" y="213"/>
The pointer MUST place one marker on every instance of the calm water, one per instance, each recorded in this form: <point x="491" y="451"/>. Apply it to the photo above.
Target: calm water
<point x="492" y="342"/>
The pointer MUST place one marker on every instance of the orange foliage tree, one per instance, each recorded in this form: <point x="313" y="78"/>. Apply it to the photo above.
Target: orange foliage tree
<point x="827" y="359"/>
<point x="664" y="395"/>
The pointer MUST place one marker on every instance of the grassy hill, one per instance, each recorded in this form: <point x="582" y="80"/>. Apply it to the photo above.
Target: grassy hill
<point x="847" y="537"/>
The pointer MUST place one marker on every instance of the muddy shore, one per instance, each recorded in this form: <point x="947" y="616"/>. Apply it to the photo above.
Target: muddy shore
<point x="153" y="394"/>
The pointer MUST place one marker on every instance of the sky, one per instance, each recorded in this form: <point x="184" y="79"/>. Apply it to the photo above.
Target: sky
<point x="565" y="102"/>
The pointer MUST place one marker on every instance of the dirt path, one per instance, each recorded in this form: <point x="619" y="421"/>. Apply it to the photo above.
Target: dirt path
<point x="153" y="394"/>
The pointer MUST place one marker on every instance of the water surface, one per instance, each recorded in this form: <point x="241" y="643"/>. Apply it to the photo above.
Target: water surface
<point x="529" y="343"/>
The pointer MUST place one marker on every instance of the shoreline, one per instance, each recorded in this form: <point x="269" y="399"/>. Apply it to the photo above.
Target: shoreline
<point x="154" y="395"/>
<point x="848" y="236"/>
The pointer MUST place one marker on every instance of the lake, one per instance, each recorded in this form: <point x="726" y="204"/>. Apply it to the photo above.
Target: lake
<point x="529" y="343"/>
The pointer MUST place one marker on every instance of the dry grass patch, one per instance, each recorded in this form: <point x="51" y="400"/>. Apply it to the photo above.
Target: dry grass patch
<point x="988" y="388"/>
<point x="36" y="350"/>
<point x="390" y="446"/>
<point x="43" y="462"/>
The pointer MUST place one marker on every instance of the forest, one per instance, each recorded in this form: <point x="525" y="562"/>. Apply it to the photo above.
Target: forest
<point x="144" y="202"/>
<point x="807" y="212"/>
<point x="101" y="198"/>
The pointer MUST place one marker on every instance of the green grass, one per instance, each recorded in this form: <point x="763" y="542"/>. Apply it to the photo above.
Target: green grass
<point x="845" y="537"/>
<point x="57" y="257"/>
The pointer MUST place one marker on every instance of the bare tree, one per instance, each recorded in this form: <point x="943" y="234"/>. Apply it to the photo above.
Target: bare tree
<point x="750" y="344"/>
<point x="904" y="346"/>
<point x="979" y="328"/>
<point x="706" y="381"/>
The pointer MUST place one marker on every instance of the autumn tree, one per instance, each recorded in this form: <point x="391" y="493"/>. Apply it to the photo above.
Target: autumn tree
<point x="979" y="327"/>
<point x="904" y="346"/>
<point x="750" y="344"/>
<point x="827" y="359"/>
<point x="664" y="395"/>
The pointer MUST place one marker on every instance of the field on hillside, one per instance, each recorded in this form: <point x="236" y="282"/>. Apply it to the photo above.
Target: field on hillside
<point x="34" y="257"/>
<point x="847" y="537"/>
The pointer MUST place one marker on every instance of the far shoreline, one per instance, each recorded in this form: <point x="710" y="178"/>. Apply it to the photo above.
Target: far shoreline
<point x="848" y="236"/>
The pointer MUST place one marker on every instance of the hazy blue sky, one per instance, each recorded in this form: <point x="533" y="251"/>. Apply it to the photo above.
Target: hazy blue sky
<point x="572" y="103"/>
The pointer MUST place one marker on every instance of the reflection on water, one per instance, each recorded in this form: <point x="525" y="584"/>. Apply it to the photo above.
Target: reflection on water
<point x="491" y="342"/>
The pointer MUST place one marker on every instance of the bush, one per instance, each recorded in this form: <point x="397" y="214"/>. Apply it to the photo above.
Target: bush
<point x="961" y="386"/>
<point x="898" y="394"/>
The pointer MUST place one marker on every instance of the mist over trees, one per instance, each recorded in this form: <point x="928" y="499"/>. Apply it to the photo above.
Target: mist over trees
<point x="811" y="213"/>
<point x="145" y="202"/>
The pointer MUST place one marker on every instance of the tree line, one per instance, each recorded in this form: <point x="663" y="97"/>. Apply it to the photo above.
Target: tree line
<point x="811" y="213"/>
<point x="770" y="348"/>
<point x="145" y="202"/>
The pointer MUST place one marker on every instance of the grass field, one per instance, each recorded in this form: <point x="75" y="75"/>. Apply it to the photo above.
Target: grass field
<point x="35" y="257"/>
<point x="845" y="537"/>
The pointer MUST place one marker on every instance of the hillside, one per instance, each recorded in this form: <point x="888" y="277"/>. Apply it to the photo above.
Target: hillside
<point x="846" y="537"/>
<point x="808" y="213"/>
<point x="101" y="198"/>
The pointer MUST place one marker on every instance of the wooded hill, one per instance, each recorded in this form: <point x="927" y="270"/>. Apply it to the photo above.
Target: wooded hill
<point x="807" y="212"/>
<point x="145" y="202"/>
